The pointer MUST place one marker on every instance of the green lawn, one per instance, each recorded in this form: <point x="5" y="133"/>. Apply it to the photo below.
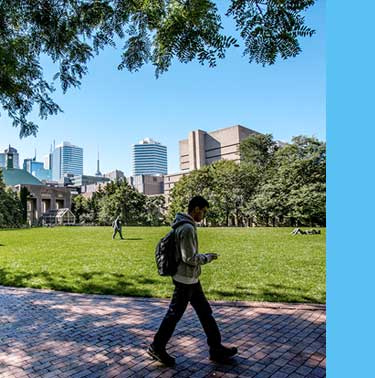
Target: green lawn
<point x="261" y="264"/>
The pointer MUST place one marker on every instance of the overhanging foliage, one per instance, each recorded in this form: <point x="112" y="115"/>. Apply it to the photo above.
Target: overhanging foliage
<point x="71" y="32"/>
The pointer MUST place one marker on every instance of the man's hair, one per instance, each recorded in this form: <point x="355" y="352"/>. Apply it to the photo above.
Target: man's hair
<point x="197" y="201"/>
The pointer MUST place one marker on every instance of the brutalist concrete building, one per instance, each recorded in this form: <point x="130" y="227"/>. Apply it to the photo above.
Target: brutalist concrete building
<point x="203" y="148"/>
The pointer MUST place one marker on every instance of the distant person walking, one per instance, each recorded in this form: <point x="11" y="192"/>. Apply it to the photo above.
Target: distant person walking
<point x="188" y="289"/>
<point x="117" y="228"/>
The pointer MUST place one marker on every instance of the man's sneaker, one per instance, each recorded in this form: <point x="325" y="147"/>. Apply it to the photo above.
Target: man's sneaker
<point x="161" y="356"/>
<point x="222" y="353"/>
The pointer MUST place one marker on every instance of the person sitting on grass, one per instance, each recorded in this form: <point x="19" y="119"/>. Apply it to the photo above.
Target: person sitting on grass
<point x="187" y="288"/>
<point x="297" y="231"/>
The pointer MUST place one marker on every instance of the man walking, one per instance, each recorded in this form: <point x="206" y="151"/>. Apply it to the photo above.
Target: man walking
<point x="188" y="289"/>
<point x="117" y="228"/>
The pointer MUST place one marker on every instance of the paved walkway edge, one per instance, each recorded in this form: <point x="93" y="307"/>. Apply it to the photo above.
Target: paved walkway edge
<point x="281" y="305"/>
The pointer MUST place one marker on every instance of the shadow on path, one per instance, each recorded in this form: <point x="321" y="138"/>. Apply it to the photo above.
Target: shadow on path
<point x="47" y="333"/>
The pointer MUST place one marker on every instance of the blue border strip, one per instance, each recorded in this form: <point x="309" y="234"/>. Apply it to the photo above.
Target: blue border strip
<point x="350" y="191"/>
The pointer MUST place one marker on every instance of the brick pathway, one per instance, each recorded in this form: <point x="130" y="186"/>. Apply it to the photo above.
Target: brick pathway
<point x="47" y="334"/>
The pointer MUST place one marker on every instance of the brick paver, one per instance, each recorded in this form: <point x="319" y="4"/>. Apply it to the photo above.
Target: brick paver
<point x="53" y="334"/>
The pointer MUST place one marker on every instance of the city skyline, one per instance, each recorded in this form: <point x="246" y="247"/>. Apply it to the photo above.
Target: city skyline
<point x="114" y="109"/>
<point x="129" y="169"/>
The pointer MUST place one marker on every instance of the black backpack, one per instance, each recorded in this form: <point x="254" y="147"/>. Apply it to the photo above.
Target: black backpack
<point x="167" y="254"/>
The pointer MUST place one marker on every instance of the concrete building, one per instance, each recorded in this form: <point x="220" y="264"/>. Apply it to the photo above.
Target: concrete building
<point x="89" y="190"/>
<point x="82" y="180"/>
<point x="169" y="183"/>
<point x="42" y="198"/>
<point x="149" y="158"/>
<point x="202" y="148"/>
<point x="147" y="184"/>
<point x="115" y="175"/>
<point x="66" y="159"/>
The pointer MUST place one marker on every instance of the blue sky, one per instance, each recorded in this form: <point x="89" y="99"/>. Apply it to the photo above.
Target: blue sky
<point x="114" y="109"/>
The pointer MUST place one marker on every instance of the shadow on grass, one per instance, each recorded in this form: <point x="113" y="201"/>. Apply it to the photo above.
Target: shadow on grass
<point x="147" y="281"/>
<point x="125" y="239"/>
<point x="104" y="336"/>
<point x="86" y="282"/>
<point x="100" y="282"/>
<point x="267" y="293"/>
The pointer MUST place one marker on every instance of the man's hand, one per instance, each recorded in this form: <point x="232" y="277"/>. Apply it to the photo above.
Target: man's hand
<point x="211" y="256"/>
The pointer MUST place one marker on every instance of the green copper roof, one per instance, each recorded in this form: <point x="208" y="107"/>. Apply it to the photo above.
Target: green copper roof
<point x="13" y="177"/>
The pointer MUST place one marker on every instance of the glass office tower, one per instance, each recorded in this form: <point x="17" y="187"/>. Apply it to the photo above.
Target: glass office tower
<point x="66" y="158"/>
<point x="149" y="158"/>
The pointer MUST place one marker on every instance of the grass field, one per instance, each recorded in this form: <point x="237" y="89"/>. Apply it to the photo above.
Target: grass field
<point x="257" y="264"/>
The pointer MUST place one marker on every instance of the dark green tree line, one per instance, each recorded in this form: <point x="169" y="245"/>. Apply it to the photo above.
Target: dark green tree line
<point x="228" y="187"/>
<point x="11" y="209"/>
<point x="119" y="199"/>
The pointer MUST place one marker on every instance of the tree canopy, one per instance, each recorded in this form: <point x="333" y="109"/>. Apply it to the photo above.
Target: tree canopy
<point x="258" y="149"/>
<point x="71" y="32"/>
<point x="11" y="210"/>
<point x="119" y="199"/>
<point x="273" y="185"/>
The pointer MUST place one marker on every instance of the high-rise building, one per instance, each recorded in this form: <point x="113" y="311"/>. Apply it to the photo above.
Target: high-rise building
<point x="36" y="168"/>
<point x="10" y="158"/>
<point x="66" y="159"/>
<point x="48" y="160"/>
<point x="149" y="158"/>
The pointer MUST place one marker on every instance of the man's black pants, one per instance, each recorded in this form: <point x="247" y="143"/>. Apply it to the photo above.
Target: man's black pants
<point x="115" y="231"/>
<point x="182" y="295"/>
